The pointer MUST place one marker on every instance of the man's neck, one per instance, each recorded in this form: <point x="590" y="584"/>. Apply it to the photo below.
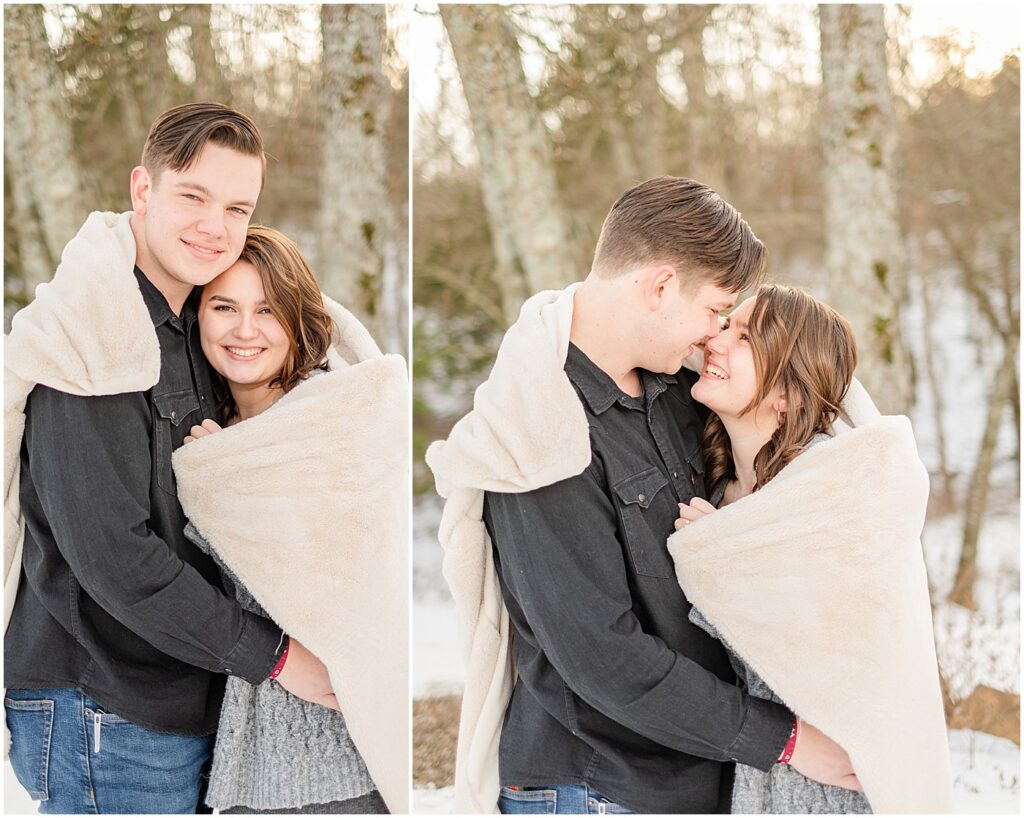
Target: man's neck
<point x="175" y="292"/>
<point x="600" y="338"/>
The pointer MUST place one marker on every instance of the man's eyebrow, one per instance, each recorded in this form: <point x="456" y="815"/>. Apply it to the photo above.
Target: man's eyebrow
<point x="206" y="192"/>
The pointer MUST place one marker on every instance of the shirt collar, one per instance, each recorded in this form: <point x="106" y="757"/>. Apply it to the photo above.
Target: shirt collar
<point x="600" y="391"/>
<point x="159" y="310"/>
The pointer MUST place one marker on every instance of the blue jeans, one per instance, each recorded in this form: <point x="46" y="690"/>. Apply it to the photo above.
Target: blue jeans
<point x="73" y="757"/>
<point x="562" y="799"/>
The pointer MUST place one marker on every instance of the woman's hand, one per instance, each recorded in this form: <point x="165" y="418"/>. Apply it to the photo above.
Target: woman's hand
<point x="694" y="511"/>
<point x="208" y="427"/>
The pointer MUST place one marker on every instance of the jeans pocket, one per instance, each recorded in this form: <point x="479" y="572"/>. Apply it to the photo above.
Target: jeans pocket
<point x="535" y="801"/>
<point x="597" y="804"/>
<point x="31" y="726"/>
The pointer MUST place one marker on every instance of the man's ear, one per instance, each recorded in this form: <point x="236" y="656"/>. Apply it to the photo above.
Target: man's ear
<point x="657" y="283"/>
<point x="141" y="185"/>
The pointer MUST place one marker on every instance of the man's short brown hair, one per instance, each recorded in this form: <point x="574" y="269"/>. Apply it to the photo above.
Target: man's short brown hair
<point x="179" y="135"/>
<point x="680" y="222"/>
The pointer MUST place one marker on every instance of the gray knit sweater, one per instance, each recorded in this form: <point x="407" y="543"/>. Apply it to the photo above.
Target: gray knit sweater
<point x="274" y="750"/>
<point x="781" y="790"/>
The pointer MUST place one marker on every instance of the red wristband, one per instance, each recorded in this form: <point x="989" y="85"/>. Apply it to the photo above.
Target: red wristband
<point x="280" y="662"/>
<point x="787" y="751"/>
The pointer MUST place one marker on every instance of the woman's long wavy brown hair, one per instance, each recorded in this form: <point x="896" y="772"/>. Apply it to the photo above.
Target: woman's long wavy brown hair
<point x="293" y="294"/>
<point x="809" y="349"/>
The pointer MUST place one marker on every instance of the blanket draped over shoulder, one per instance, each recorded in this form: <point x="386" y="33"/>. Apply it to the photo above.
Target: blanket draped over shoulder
<point x="307" y="503"/>
<point x="527" y="429"/>
<point x="818" y="582"/>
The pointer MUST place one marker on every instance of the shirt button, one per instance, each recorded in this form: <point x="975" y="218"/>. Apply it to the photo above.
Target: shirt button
<point x="227" y="670"/>
<point x="641" y="497"/>
<point x="675" y="474"/>
<point x="174" y="415"/>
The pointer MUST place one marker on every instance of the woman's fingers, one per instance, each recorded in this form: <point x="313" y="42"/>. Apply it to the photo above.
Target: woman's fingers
<point x="702" y="505"/>
<point x="207" y="427"/>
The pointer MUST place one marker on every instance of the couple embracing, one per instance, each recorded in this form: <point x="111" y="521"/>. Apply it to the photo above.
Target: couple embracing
<point x="685" y="546"/>
<point x="205" y="511"/>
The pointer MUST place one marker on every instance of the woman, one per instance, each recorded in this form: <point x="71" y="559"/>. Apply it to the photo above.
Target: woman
<point x="265" y="330"/>
<point x="776" y="378"/>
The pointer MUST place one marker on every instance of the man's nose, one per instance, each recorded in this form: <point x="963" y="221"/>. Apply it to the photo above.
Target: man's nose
<point x="212" y="223"/>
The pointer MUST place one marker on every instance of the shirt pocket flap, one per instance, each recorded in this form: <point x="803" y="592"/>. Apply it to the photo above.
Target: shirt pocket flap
<point x="641" y="488"/>
<point x="176" y="406"/>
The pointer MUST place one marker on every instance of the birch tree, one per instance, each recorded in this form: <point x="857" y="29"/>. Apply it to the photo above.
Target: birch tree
<point x="864" y="250"/>
<point x="359" y="259"/>
<point x="38" y="149"/>
<point x="529" y="228"/>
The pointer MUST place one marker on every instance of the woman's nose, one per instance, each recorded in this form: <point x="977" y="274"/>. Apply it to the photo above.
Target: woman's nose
<point x="246" y="327"/>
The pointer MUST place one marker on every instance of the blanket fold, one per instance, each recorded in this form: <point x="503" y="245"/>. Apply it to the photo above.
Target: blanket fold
<point x="341" y="571"/>
<point x="818" y="582"/>
<point x="308" y="503"/>
<point x="88" y="332"/>
<point x="527" y="429"/>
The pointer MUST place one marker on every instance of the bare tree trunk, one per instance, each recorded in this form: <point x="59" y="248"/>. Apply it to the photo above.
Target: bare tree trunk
<point x="966" y="572"/>
<point x="934" y="385"/>
<point x="38" y="146"/>
<point x="208" y="85"/>
<point x="704" y="160"/>
<point x="529" y="227"/>
<point x="864" y="251"/>
<point x="358" y="252"/>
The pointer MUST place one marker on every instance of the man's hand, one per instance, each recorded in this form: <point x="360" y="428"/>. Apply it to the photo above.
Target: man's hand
<point x="305" y="676"/>
<point x="208" y="427"/>
<point x="688" y="513"/>
<point x="817" y="757"/>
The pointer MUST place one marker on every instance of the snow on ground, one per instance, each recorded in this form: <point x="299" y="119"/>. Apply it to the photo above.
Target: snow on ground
<point x="429" y="801"/>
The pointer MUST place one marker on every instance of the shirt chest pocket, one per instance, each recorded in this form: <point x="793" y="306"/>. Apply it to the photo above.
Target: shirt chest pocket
<point x="174" y="413"/>
<point x="645" y="505"/>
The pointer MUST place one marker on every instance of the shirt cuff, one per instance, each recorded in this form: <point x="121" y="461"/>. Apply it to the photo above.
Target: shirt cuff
<point x="256" y="652"/>
<point x="763" y="734"/>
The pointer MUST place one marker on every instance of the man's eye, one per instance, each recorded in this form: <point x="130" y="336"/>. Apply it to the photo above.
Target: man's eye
<point x="239" y="211"/>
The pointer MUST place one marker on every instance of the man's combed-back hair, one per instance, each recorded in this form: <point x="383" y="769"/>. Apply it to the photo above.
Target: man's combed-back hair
<point x="680" y="222"/>
<point x="179" y="135"/>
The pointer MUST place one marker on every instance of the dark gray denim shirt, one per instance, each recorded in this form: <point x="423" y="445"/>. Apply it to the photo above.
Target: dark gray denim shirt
<point x="114" y="600"/>
<point x="617" y="689"/>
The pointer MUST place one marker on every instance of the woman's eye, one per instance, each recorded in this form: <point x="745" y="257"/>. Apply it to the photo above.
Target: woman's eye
<point x="744" y="336"/>
<point x="222" y="308"/>
<point x="266" y="311"/>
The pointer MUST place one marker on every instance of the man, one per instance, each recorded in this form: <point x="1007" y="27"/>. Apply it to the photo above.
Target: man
<point x="620" y="702"/>
<point x="121" y="635"/>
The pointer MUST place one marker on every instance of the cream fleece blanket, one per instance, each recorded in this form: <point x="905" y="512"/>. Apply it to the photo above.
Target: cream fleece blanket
<point x="308" y="503"/>
<point x="88" y="332"/>
<point x="527" y="429"/>
<point x="818" y="582"/>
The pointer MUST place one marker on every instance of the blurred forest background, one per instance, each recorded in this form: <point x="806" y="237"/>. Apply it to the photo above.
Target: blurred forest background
<point x="327" y="86"/>
<point x="880" y="166"/>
